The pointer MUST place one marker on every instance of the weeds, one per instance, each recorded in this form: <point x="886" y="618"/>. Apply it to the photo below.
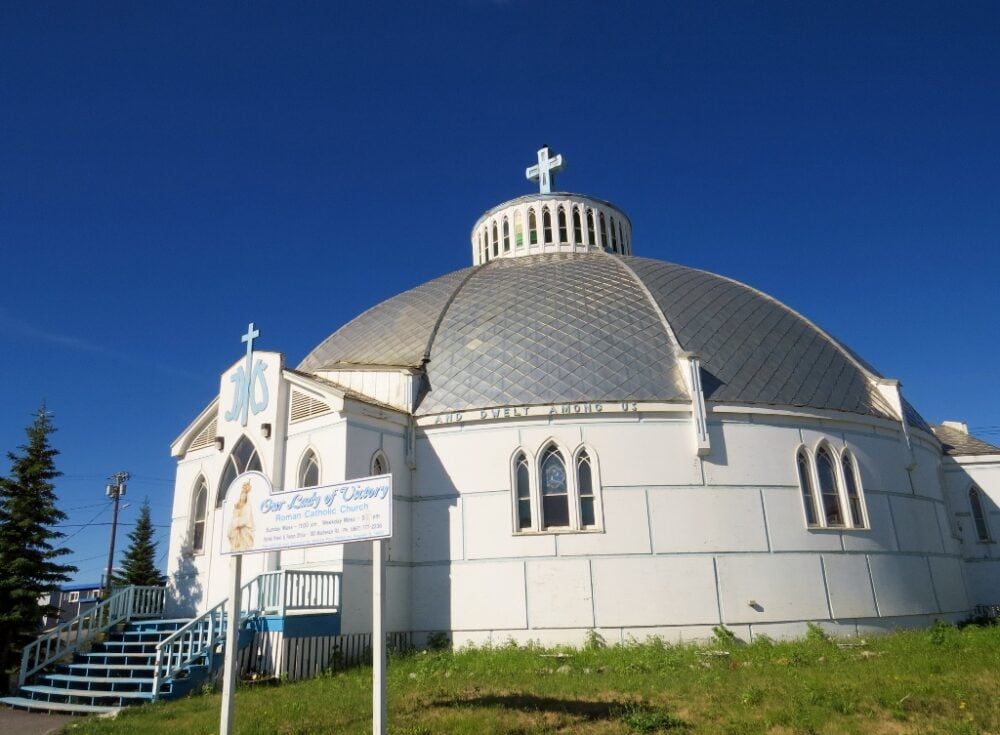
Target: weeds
<point x="941" y="680"/>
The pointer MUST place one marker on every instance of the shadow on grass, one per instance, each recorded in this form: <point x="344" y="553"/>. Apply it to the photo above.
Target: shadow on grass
<point x="582" y="709"/>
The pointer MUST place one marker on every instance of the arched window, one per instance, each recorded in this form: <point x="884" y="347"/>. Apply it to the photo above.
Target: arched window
<point x="309" y="470"/>
<point x="562" y="224"/>
<point x="806" y="487"/>
<point x="853" y="491"/>
<point x="483" y="251"/>
<point x="978" y="514"/>
<point x="577" y="226"/>
<point x="242" y="459"/>
<point x="199" y="507"/>
<point x="590" y="227"/>
<point x="614" y="236"/>
<point x="496" y="241"/>
<point x="380" y="463"/>
<point x="555" y="491"/>
<point x="546" y="225"/>
<point x="621" y="237"/>
<point x="506" y="235"/>
<point x="522" y="491"/>
<point x="546" y="497"/>
<point x="532" y="228"/>
<point x="604" y="232"/>
<point x="518" y="230"/>
<point x="585" y="489"/>
<point x="826" y="470"/>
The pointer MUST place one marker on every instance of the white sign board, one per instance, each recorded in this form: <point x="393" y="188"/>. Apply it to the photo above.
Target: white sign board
<point x="254" y="519"/>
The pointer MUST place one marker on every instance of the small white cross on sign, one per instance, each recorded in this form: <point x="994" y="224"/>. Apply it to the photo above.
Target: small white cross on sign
<point x="544" y="171"/>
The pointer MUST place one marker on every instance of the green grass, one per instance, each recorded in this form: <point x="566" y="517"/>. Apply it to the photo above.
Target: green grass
<point x="943" y="680"/>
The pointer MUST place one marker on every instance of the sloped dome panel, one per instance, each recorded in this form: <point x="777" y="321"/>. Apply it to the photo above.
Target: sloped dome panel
<point x="557" y="328"/>
<point x="753" y="348"/>
<point x="396" y="332"/>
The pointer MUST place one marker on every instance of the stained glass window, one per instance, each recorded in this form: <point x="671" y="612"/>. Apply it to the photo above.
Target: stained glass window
<point x="555" y="494"/>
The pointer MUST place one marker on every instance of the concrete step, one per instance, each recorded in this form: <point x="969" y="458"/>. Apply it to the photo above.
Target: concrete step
<point x="106" y="683"/>
<point x="33" y="705"/>
<point x="50" y="692"/>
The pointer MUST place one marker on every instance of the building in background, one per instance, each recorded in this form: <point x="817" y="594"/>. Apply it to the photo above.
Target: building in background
<point x="72" y="599"/>
<point x="584" y="439"/>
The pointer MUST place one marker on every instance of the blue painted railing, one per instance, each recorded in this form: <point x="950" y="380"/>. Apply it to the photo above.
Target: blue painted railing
<point x="284" y="592"/>
<point x="125" y="603"/>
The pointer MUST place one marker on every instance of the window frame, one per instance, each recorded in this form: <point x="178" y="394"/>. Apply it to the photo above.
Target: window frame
<point x="534" y="463"/>
<point x="849" y="469"/>
<point x="845" y="473"/>
<point x="980" y="521"/>
<point x="200" y="489"/>
<point x="220" y="497"/>
<point x="311" y="456"/>
<point x="379" y="456"/>
<point x="807" y="495"/>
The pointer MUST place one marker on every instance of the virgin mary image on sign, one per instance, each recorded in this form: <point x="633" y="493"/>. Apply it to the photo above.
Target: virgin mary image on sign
<point x="241" y="529"/>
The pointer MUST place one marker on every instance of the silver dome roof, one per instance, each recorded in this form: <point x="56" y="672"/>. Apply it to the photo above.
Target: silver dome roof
<point x="562" y="328"/>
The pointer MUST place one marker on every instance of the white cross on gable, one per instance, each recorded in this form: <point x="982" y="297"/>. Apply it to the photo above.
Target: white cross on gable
<point x="544" y="171"/>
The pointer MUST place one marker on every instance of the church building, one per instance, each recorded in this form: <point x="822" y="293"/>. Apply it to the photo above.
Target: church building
<point x="582" y="439"/>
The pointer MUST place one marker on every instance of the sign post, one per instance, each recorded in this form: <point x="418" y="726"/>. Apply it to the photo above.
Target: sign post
<point x="378" y="638"/>
<point x="232" y="636"/>
<point x="254" y="520"/>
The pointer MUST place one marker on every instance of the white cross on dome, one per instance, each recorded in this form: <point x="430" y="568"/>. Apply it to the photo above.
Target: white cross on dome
<point x="544" y="171"/>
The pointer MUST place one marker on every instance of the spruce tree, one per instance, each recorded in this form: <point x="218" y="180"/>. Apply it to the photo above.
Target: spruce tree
<point x="139" y="564"/>
<point x="29" y="557"/>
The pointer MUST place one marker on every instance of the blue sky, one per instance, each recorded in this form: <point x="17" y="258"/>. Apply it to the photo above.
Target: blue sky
<point x="171" y="171"/>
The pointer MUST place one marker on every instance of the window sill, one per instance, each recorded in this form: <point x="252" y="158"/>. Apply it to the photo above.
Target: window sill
<point x="556" y="531"/>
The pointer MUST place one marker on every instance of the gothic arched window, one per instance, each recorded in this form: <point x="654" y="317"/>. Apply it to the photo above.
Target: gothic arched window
<point x="577" y="226"/>
<point x="242" y="459"/>
<point x="380" y="463"/>
<point x="555" y="490"/>
<point x="854" y="501"/>
<point x="532" y="228"/>
<point x="546" y="225"/>
<point x="199" y="508"/>
<point x="518" y="230"/>
<point x="522" y="490"/>
<point x="829" y="490"/>
<point x="585" y="489"/>
<point x="563" y="236"/>
<point x="604" y="232"/>
<point x="496" y="241"/>
<point x="978" y="514"/>
<point x="590" y="227"/>
<point x="506" y="235"/>
<point x="614" y="236"/>
<point x="309" y="469"/>
<point x="806" y="487"/>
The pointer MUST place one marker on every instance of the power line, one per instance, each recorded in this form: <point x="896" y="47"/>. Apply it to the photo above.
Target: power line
<point x="88" y="523"/>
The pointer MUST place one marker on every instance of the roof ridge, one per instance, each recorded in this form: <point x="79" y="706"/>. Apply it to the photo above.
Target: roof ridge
<point x="671" y="335"/>
<point x="447" y="305"/>
<point x="836" y="342"/>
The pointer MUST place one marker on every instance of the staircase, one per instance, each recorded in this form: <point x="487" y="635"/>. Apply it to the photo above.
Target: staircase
<point x="116" y="672"/>
<point x="122" y="652"/>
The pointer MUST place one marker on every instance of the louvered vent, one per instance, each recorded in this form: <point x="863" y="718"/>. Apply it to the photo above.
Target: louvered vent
<point x="305" y="407"/>
<point x="205" y="437"/>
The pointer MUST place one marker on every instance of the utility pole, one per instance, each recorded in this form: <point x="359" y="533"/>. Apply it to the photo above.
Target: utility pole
<point x="115" y="490"/>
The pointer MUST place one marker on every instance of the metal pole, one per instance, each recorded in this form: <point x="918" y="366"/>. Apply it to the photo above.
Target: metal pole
<point x="115" y="491"/>
<point x="379" y="709"/>
<point x="230" y="652"/>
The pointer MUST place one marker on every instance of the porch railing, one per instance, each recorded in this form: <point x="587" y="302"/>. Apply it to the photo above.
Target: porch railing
<point x="280" y="593"/>
<point x="292" y="591"/>
<point x="125" y="603"/>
